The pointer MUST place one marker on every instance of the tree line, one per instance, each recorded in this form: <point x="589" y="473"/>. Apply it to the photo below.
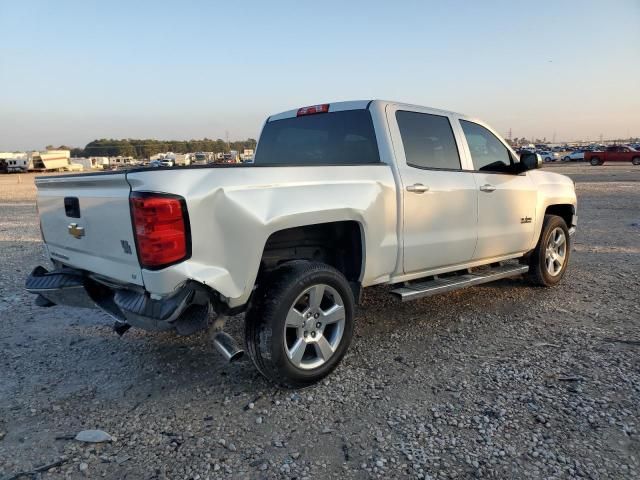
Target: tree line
<point x="145" y="148"/>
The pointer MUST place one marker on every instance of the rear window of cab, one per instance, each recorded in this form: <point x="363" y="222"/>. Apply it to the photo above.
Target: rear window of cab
<point x="335" y="138"/>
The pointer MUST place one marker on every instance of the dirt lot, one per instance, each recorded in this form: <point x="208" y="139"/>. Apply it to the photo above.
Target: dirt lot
<point x="499" y="381"/>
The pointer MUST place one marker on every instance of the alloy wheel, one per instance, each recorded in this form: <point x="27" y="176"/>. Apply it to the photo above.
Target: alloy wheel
<point x="314" y="326"/>
<point x="556" y="252"/>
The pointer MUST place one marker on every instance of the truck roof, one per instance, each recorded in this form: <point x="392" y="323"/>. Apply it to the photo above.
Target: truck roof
<point x="357" y="105"/>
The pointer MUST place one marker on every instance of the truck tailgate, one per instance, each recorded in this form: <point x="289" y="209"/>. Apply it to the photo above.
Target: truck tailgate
<point x="86" y="224"/>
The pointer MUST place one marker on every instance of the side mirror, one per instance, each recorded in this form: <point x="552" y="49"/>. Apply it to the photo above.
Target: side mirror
<point x="530" y="161"/>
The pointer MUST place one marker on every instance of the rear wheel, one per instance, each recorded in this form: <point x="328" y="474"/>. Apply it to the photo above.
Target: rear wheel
<point x="635" y="160"/>
<point x="551" y="255"/>
<point x="301" y="324"/>
<point x="595" y="161"/>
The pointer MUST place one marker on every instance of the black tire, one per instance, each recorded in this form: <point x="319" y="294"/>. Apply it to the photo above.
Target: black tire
<point x="595" y="161"/>
<point x="538" y="272"/>
<point x="265" y="336"/>
<point x="635" y="160"/>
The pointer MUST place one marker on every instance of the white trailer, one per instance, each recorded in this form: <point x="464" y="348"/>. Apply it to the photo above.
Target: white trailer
<point x="87" y="163"/>
<point x="15" y="165"/>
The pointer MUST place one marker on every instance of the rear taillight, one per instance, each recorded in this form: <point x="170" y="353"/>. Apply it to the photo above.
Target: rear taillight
<point x="161" y="228"/>
<point x="312" y="110"/>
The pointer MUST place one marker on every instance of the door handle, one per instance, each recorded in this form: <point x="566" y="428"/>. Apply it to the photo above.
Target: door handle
<point x="417" y="188"/>
<point x="487" y="188"/>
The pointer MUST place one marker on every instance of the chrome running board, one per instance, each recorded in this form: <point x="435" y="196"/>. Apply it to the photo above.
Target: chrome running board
<point x="413" y="291"/>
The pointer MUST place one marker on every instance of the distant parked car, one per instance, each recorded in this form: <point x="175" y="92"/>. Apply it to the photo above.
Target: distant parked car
<point x="525" y="150"/>
<point x="168" y="162"/>
<point x="548" y="155"/>
<point x="155" y="163"/>
<point x="615" y="153"/>
<point x="575" y="156"/>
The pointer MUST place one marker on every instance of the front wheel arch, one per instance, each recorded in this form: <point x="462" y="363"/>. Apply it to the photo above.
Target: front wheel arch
<point x="539" y="273"/>
<point x="564" y="210"/>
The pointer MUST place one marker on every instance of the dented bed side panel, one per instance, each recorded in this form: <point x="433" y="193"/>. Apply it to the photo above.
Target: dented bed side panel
<point x="234" y="211"/>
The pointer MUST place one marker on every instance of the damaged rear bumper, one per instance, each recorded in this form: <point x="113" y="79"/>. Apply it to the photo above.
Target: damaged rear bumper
<point x="187" y="311"/>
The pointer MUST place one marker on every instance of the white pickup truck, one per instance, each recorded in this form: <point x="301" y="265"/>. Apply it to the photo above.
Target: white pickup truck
<point x="340" y="197"/>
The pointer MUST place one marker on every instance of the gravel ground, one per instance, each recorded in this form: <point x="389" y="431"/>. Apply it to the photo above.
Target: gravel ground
<point x="498" y="381"/>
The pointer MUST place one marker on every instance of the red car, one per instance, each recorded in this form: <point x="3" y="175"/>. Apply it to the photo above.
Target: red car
<point x="615" y="153"/>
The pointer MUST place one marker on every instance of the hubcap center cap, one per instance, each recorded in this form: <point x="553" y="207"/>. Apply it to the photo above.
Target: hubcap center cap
<point x="311" y="321"/>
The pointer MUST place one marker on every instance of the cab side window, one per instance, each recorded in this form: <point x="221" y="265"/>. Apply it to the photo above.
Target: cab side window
<point x="487" y="152"/>
<point x="428" y="141"/>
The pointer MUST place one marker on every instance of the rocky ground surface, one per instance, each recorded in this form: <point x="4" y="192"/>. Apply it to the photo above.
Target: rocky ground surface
<point x="499" y="381"/>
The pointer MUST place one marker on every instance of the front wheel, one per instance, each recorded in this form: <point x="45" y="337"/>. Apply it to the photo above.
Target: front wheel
<point x="550" y="258"/>
<point x="635" y="160"/>
<point x="301" y="324"/>
<point x="595" y="161"/>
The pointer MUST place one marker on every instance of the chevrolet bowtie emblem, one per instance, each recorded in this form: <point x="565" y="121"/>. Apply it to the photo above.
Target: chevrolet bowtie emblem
<point x="75" y="230"/>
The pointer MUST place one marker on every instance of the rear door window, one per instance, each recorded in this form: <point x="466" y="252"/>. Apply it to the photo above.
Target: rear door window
<point x="337" y="138"/>
<point x="428" y="141"/>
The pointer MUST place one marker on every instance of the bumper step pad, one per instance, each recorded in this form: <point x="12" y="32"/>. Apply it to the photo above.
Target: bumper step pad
<point x="60" y="287"/>
<point x="187" y="311"/>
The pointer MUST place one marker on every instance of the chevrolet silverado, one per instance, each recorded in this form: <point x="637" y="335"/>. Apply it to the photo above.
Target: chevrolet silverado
<point x="340" y="197"/>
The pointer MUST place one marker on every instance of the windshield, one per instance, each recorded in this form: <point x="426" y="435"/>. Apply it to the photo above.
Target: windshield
<point x="336" y="138"/>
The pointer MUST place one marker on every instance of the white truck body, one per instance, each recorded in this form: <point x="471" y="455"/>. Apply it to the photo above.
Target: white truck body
<point x="452" y="226"/>
<point x="411" y="222"/>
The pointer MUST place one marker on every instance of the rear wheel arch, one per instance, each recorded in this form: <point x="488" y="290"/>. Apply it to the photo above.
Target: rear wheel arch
<point x="339" y="244"/>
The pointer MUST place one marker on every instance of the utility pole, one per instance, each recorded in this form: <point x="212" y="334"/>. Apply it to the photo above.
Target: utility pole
<point x="226" y="133"/>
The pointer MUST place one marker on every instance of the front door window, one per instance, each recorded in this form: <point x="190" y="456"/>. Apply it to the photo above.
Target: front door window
<point x="487" y="152"/>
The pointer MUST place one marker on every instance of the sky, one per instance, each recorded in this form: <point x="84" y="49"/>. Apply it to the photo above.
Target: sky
<point x="74" y="71"/>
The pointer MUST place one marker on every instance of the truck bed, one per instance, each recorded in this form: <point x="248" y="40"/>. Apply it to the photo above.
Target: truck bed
<point x="233" y="209"/>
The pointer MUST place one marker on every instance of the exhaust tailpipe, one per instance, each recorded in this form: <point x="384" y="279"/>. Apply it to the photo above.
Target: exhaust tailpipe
<point x="227" y="346"/>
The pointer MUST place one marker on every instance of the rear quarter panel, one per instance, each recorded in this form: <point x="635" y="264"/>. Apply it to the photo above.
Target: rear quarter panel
<point x="234" y="210"/>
